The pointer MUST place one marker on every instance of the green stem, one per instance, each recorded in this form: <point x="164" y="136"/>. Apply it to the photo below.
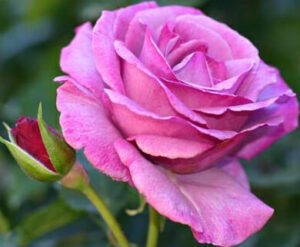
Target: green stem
<point x="4" y="225"/>
<point x="154" y="228"/>
<point x="107" y="215"/>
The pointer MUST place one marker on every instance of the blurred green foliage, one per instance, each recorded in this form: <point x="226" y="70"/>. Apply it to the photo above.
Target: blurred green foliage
<point x="32" y="32"/>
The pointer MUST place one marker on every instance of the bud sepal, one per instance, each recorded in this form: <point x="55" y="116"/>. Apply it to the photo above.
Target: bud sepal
<point x="61" y="155"/>
<point x="31" y="166"/>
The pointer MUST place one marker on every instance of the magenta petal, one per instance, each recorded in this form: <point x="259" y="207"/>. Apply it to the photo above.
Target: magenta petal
<point x="260" y="77"/>
<point x="167" y="40"/>
<point x="218" y="48"/>
<point x="204" y="160"/>
<point x="77" y="60"/>
<point x="125" y="15"/>
<point x="136" y="79"/>
<point x="136" y="120"/>
<point x="260" y="139"/>
<point x="154" y="60"/>
<point x="233" y="168"/>
<point x="240" y="46"/>
<point x="157" y="98"/>
<point x="217" y="208"/>
<point x="217" y="69"/>
<point x="237" y="74"/>
<point x="107" y="62"/>
<point x="85" y="125"/>
<point x="154" y="19"/>
<point x="184" y="49"/>
<point x="169" y="147"/>
<point x="199" y="99"/>
<point x="195" y="70"/>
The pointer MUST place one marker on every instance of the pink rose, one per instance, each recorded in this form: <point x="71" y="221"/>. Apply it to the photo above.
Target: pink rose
<point x="167" y="99"/>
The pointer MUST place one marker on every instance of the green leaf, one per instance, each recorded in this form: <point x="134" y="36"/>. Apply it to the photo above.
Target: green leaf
<point x="46" y="220"/>
<point x="30" y="165"/>
<point x="62" y="156"/>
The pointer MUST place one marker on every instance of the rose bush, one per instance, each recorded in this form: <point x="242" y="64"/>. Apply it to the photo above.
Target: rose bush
<point x="167" y="99"/>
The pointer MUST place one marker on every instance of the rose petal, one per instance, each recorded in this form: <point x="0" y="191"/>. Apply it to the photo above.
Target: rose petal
<point x="77" y="60"/>
<point x="157" y="98"/>
<point x="167" y="40"/>
<point x="266" y="119"/>
<point x="227" y="121"/>
<point x="199" y="99"/>
<point x="240" y="46"/>
<point x="204" y="160"/>
<point x="237" y="72"/>
<point x="85" y="125"/>
<point x="260" y="139"/>
<point x="154" y="60"/>
<point x="260" y="77"/>
<point x="195" y="70"/>
<point x="233" y="168"/>
<point x="125" y="15"/>
<point x="136" y="120"/>
<point x="217" y="69"/>
<point x="154" y="19"/>
<point x="188" y="29"/>
<point x="218" y="209"/>
<point x="169" y="147"/>
<point x="184" y="49"/>
<point x="106" y="60"/>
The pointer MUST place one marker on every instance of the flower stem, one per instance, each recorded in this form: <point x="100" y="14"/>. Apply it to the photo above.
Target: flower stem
<point x="78" y="179"/>
<point x="107" y="215"/>
<point x="154" y="228"/>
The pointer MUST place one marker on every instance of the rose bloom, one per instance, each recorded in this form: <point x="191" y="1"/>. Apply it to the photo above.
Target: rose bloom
<point x="167" y="99"/>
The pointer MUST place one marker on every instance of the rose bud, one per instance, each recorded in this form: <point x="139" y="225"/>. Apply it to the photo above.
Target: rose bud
<point x="39" y="149"/>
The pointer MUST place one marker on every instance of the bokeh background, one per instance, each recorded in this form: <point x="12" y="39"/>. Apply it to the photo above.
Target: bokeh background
<point x="32" y="32"/>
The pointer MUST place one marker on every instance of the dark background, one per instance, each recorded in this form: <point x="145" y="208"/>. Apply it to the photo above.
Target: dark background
<point x="32" y="32"/>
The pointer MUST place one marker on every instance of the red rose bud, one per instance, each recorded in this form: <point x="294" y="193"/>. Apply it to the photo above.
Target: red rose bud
<point x="40" y="150"/>
<point x="28" y="137"/>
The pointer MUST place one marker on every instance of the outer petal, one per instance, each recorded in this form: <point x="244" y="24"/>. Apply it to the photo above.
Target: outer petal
<point x="233" y="168"/>
<point x="110" y="26"/>
<point x="260" y="139"/>
<point x="77" y="60"/>
<point x="260" y="77"/>
<point x="218" y="209"/>
<point x="125" y="15"/>
<point x="85" y="125"/>
<point x="107" y="62"/>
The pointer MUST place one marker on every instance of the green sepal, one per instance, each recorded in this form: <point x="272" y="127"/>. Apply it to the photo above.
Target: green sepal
<point x="61" y="155"/>
<point x="8" y="129"/>
<point x="30" y="165"/>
